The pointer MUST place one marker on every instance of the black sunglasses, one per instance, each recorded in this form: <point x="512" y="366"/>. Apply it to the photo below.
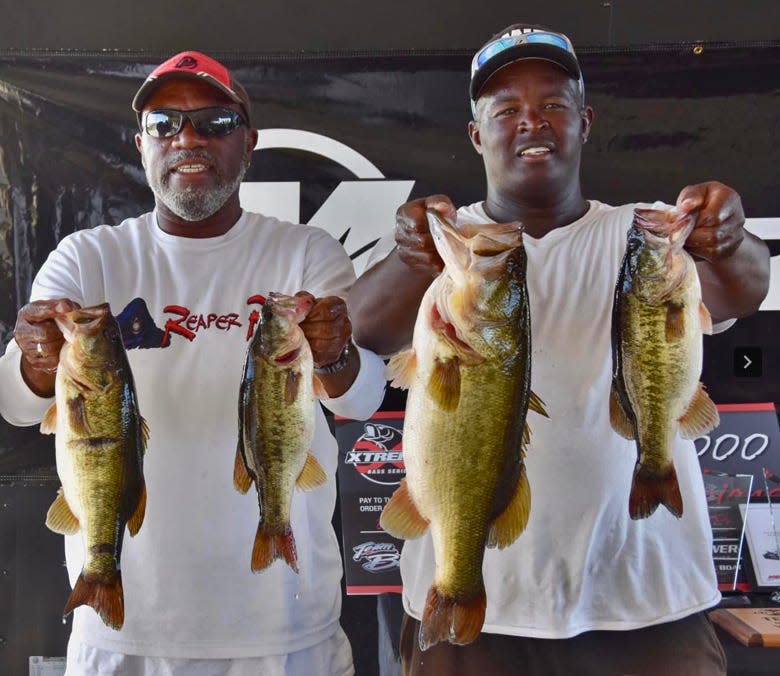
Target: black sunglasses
<point x="214" y="121"/>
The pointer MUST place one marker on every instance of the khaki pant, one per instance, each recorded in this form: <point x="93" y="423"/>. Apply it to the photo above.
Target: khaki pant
<point x="687" y="647"/>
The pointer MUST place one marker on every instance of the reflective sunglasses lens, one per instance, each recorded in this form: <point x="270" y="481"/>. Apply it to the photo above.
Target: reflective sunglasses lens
<point x="163" y="123"/>
<point x="494" y="48"/>
<point x="215" y="121"/>
<point x="548" y="39"/>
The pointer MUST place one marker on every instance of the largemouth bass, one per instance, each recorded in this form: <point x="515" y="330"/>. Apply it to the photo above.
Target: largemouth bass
<point x="657" y="324"/>
<point x="276" y="425"/>
<point x="100" y="443"/>
<point x="468" y="374"/>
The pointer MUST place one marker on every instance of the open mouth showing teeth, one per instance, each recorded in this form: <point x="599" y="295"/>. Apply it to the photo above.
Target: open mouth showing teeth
<point x="535" y="151"/>
<point x="191" y="168"/>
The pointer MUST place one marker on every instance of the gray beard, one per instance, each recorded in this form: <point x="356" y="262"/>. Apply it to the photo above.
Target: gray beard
<point x="194" y="204"/>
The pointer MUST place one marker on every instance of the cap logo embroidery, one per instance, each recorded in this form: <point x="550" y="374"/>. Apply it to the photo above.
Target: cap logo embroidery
<point x="187" y="62"/>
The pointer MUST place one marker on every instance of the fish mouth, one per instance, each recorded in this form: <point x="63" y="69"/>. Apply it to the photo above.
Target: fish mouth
<point x="664" y="226"/>
<point x="86" y="318"/>
<point x="287" y="357"/>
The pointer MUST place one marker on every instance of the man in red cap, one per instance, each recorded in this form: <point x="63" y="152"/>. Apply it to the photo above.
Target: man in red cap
<point x="584" y="589"/>
<point x="190" y="276"/>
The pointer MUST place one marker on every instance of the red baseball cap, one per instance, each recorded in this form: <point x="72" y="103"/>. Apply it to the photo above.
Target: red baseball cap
<point x="197" y="66"/>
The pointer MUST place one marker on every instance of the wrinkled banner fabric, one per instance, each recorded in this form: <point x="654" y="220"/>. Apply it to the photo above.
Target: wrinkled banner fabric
<point x="352" y="136"/>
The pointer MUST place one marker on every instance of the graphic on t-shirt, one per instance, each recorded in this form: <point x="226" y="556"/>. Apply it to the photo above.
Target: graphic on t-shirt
<point x="138" y="327"/>
<point x="140" y="331"/>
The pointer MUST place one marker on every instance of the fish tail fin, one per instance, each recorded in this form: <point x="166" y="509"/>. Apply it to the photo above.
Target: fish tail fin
<point x="400" y="516"/>
<point x="512" y="521"/>
<point x="135" y="522"/>
<point x="60" y="518"/>
<point x="270" y="546"/>
<point x="651" y="489"/>
<point x="105" y="596"/>
<point x="447" y="619"/>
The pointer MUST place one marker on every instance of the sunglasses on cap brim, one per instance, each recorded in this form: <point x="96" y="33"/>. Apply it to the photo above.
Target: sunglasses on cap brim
<point x="537" y="37"/>
<point x="213" y="121"/>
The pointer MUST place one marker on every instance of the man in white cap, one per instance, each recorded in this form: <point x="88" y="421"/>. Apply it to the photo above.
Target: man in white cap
<point x="584" y="589"/>
<point x="189" y="276"/>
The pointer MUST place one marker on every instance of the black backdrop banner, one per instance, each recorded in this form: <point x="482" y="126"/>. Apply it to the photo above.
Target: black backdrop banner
<point x="349" y="137"/>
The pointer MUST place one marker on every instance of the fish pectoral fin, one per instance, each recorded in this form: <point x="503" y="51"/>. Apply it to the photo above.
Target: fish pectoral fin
<point x="675" y="322"/>
<point x="241" y="477"/>
<point x="618" y="417"/>
<point x="508" y="525"/>
<point x="446" y="618"/>
<point x="49" y="422"/>
<point x="705" y="318"/>
<point x="135" y="522"/>
<point x="701" y="417"/>
<point x="60" y="518"/>
<point x="312" y="474"/>
<point x="319" y="389"/>
<point x="400" y="516"/>
<point x="536" y="405"/>
<point x="444" y="383"/>
<point x="292" y="385"/>
<point x="401" y="368"/>
<point x="77" y="416"/>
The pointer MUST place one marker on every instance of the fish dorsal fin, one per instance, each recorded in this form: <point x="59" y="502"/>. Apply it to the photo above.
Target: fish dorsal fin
<point x="400" y="517"/>
<point x="675" y="322"/>
<point x="312" y="474"/>
<point x="135" y="522"/>
<point x="444" y="383"/>
<point x="618" y="417"/>
<point x="60" y="518"/>
<point x="701" y="417"/>
<point x="49" y="422"/>
<point x="705" y="318"/>
<point x="401" y="369"/>
<point x="144" y="434"/>
<point x="512" y="521"/>
<point x="525" y="440"/>
<point x="241" y="478"/>
<point x="537" y="405"/>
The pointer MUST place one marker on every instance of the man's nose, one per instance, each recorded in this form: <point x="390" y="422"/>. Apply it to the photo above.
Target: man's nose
<point x="531" y="119"/>
<point x="188" y="137"/>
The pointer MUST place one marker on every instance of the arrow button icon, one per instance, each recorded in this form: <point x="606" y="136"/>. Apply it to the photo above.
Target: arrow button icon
<point x="747" y="362"/>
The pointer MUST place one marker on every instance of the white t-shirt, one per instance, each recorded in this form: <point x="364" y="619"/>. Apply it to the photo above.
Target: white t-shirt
<point x="582" y="564"/>
<point x="189" y="591"/>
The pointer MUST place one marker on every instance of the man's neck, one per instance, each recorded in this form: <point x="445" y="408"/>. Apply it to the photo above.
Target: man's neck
<point x="213" y="226"/>
<point x="538" y="218"/>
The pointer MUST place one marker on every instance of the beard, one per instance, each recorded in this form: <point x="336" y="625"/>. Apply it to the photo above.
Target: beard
<point x="193" y="204"/>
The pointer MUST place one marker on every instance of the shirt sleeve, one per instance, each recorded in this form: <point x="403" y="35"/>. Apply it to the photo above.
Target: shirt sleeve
<point x="19" y="405"/>
<point x="58" y="278"/>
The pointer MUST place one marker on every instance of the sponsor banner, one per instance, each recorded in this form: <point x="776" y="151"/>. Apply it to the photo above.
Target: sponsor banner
<point x="370" y="468"/>
<point x="747" y="441"/>
<point x="726" y="494"/>
<point x="344" y="140"/>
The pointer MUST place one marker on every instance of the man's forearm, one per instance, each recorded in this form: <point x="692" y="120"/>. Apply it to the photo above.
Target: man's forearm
<point x="735" y="286"/>
<point x="383" y="304"/>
